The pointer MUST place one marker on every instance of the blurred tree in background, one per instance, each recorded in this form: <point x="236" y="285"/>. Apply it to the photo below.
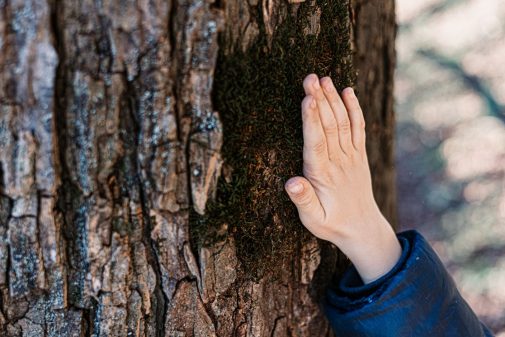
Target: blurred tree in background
<point x="450" y="152"/>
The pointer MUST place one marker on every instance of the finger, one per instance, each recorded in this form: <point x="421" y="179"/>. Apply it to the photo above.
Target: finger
<point x="357" y="119"/>
<point x="340" y="112"/>
<point x="302" y="194"/>
<point x="328" y="121"/>
<point x="315" y="152"/>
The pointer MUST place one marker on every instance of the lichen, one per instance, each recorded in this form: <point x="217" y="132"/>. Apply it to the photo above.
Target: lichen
<point x="258" y="94"/>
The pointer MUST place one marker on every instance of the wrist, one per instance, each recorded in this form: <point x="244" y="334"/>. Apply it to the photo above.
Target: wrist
<point x="373" y="248"/>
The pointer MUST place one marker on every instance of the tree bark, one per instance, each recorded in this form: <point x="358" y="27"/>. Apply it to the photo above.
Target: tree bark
<point x="143" y="150"/>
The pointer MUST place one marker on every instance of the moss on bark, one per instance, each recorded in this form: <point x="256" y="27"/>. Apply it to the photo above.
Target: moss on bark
<point x="258" y="94"/>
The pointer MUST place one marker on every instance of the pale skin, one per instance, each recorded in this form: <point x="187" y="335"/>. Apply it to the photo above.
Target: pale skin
<point x="334" y="197"/>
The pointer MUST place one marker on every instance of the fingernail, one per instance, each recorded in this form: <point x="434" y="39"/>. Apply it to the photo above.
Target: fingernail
<point x="295" y="187"/>
<point x="316" y="84"/>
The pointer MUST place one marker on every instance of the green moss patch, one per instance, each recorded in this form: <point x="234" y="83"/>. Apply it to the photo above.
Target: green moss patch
<point x="258" y="95"/>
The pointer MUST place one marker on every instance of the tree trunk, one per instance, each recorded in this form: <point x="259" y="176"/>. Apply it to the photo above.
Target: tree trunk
<point x="144" y="147"/>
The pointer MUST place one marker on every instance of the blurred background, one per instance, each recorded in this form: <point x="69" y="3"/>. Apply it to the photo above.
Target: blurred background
<point x="450" y="141"/>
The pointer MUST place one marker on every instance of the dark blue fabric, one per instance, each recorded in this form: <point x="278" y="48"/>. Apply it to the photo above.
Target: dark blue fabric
<point x="416" y="298"/>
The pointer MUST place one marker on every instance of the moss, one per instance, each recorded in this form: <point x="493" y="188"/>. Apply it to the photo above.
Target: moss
<point x="258" y="95"/>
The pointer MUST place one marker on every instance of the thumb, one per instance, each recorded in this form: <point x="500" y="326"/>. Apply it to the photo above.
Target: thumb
<point x="304" y="197"/>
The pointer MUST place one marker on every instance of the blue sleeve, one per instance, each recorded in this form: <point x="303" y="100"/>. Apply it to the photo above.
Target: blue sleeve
<point x="416" y="298"/>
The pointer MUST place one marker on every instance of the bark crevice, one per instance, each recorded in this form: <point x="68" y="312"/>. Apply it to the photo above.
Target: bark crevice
<point x="161" y="297"/>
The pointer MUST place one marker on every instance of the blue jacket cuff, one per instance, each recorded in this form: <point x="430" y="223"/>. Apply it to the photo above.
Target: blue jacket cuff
<point x="416" y="298"/>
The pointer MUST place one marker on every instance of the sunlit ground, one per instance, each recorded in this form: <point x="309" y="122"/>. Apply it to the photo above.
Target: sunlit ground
<point x="450" y="104"/>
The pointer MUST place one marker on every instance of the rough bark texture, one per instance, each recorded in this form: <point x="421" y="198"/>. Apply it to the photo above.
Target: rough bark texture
<point x="109" y="141"/>
<point x="374" y="31"/>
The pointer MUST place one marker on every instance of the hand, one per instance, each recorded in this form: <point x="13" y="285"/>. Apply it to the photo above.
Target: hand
<point x="335" y="199"/>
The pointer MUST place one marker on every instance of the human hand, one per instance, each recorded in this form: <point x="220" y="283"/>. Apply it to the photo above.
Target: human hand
<point x="334" y="199"/>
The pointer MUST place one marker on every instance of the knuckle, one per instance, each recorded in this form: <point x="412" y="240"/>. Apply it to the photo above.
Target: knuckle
<point x="319" y="147"/>
<point x="344" y="126"/>
<point x="331" y="129"/>
<point x="306" y="103"/>
<point x="354" y="157"/>
<point x="305" y="200"/>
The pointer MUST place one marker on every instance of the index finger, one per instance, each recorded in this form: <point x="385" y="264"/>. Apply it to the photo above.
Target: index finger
<point x="315" y="150"/>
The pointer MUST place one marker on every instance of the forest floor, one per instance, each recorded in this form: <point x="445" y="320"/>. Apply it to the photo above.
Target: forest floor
<point x="450" y="142"/>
